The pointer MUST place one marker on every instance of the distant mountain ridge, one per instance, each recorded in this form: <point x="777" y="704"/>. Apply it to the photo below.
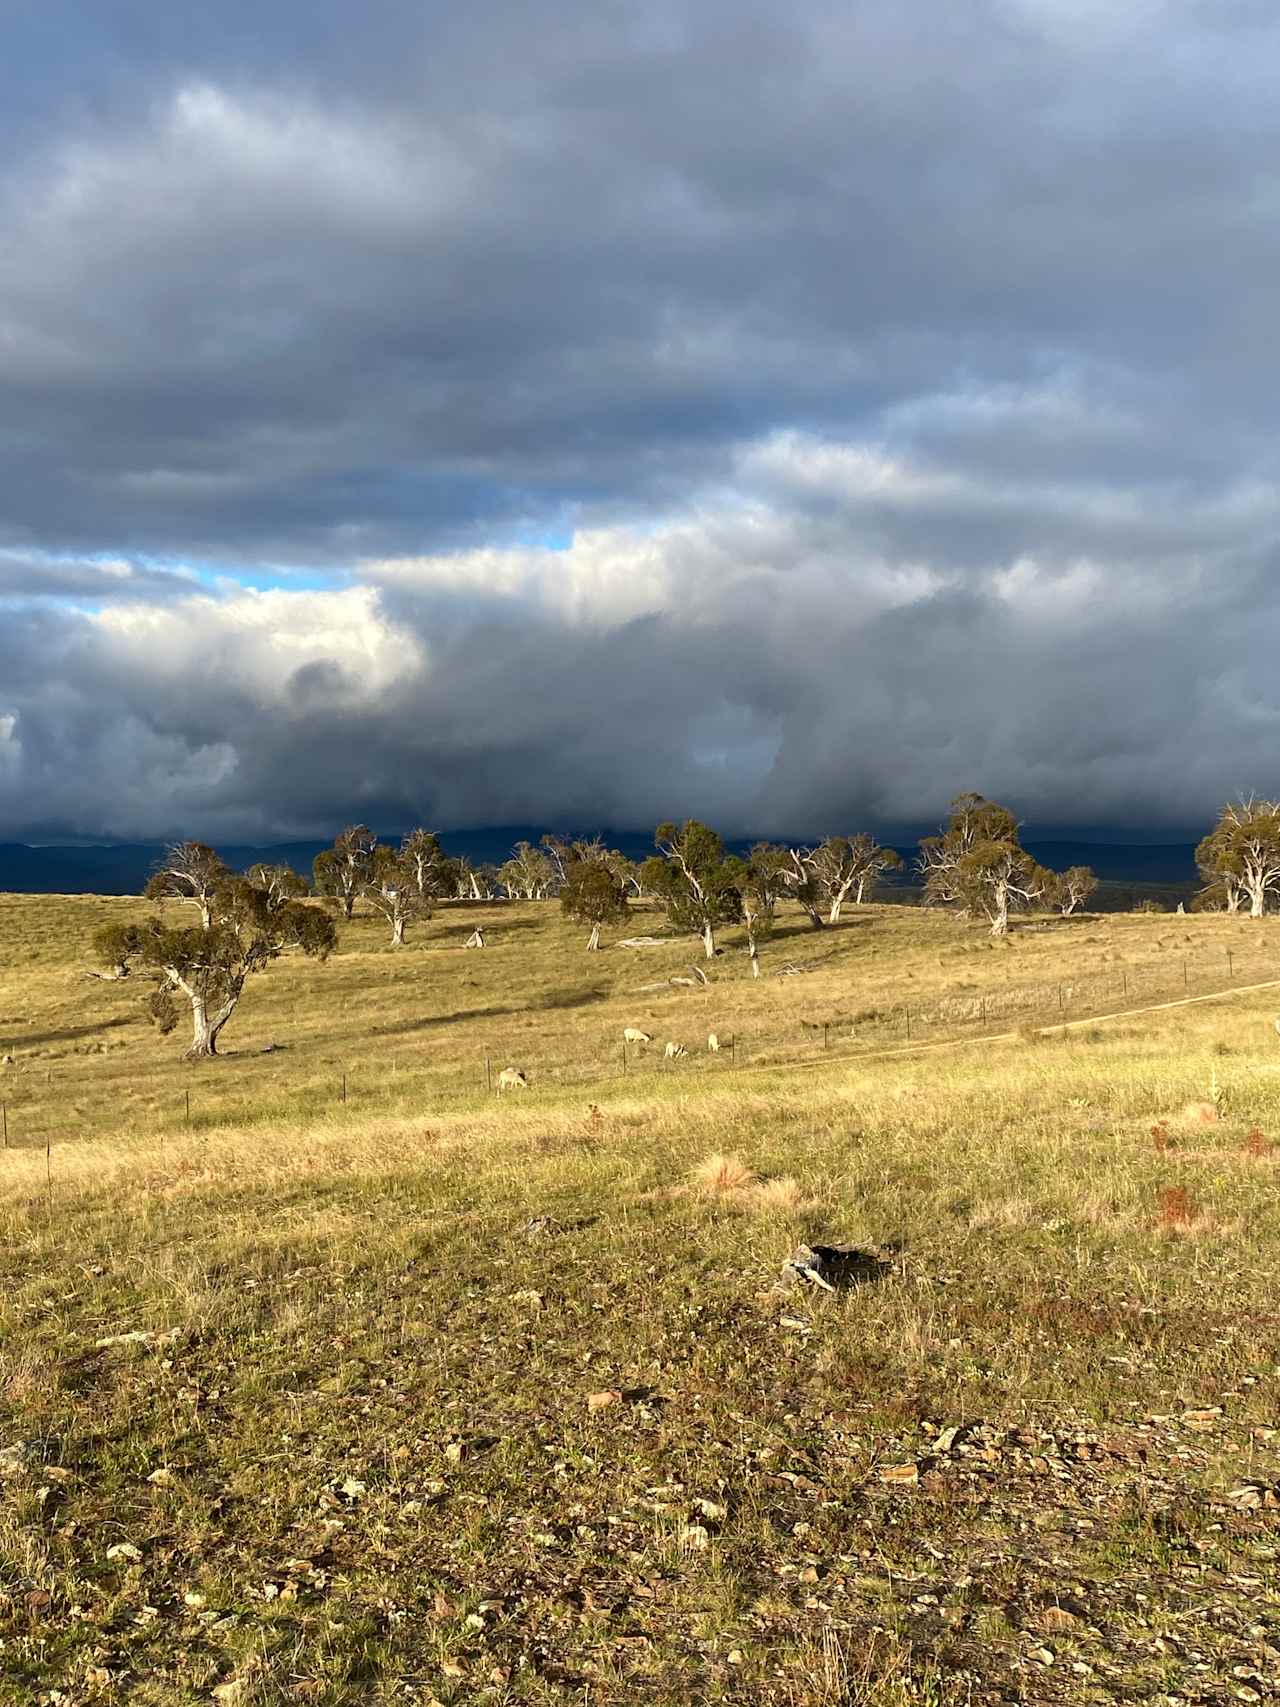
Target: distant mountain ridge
<point x="123" y="868"/>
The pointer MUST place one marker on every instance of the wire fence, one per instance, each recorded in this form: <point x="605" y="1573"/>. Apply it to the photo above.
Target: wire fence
<point x="40" y="1107"/>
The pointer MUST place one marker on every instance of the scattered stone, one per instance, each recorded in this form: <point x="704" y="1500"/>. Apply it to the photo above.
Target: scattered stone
<point x="1255" y="1496"/>
<point x="21" y="1455"/>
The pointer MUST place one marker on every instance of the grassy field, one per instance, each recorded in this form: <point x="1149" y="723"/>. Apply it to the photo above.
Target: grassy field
<point x="427" y="1396"/>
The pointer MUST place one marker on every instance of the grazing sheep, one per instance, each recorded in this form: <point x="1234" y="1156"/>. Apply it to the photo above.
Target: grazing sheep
<point x="512" y="1079"/>
<point x="674" y="1049"/>
<point x="633" y="1034"/>
<point x="713" y="1043"/>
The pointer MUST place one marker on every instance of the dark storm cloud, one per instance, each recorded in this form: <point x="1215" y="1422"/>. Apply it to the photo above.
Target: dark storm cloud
<point x="907" y="372"/>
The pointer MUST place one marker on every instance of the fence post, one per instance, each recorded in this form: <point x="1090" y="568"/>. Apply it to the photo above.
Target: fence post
<point x="488" y="1075"/>
<point x="1124" y="982"/>
<point x="907" y="1012"/>
<point x="187" y="1096"/>
<point x="4" y="1108"/>
<point x="1231" y="971"/>
<point x="825" y="1029"/>
<point x="344" y="1087"/>
<point x="733" y="1050"/>
<point x="624" y="1060"/>
<point x="1185" y="985"/>
<point x="984" y="1010"/>
<point x="1062" y="1006"/>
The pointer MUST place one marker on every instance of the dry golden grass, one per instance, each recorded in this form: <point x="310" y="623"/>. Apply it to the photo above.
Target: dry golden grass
<point x="370" y="1330"/>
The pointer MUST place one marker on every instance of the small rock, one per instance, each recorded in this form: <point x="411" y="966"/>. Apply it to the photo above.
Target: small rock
<point x="900" y="1473"/>
<point x="1053" y="1619"/>
<point x="21" y="1455"/>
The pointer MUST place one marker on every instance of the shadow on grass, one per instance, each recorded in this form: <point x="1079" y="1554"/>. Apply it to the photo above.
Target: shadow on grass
<point x="558" y="1000"/>
<point x="68" y="1034"/>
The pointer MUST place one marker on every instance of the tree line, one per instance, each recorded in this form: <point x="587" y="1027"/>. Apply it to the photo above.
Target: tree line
<point x="976" y="866"/>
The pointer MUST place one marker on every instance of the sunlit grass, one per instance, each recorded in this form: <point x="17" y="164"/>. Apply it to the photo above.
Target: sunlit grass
<point x="446" y="1397"/>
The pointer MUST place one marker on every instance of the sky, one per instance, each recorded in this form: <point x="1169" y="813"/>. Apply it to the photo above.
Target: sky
<point x="591" y="414"/>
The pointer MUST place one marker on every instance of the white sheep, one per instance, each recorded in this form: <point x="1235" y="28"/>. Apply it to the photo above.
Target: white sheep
<point x="713" y="1043"/>
<point x="512" y="1079"/>
<point x="633" y="1034"/>
<point x="675" y="1049"/>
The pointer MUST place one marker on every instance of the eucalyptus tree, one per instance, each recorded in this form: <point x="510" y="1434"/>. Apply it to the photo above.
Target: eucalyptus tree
<point x="850" y="865"/>
<point x="435" y="875"/>
<point x="390" y="887"/>
<point x="700" y="887"/>
<point x="593" y="894"/>
<point x="1071" y="888"/>
<point x="978" y="864"/>
<point x="1240" y="857"/>
<point x="280" y="882"/>
<point x="803" y="885"/>
<point x="342" y="871"/>
<point x="764" y="877"/>
<point x="528" y="875"/>
<point x="207" y="966"/>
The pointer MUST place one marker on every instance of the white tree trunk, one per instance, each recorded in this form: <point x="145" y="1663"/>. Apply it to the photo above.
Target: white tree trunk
<point x="709" y="942"/>
<point x="206" y="915"/>
<point x="593" y="941"/>
<point x="397" y="930"/>
<point x="833" y="917"/>
<point x="755" y="966"/>
<point x="205" y="1027"/>
<point x="1000" y="912"/>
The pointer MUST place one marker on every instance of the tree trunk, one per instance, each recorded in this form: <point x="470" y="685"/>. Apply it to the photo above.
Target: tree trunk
<point x="709" y="941"/>
<point x="206" y="1027"/>
<point x="206" y="915"/>
<point x="755" y="966"/>
<point x="815" y="917"/>
<point x="348" y="904"/>
<point x="833" y="917"/>
<point x="593" y="941"/>
<point x="1000" y="914"/>
<point x="1257" y="900"/>
<point x="397" y="931"/>
<point x="1233" y="899"/>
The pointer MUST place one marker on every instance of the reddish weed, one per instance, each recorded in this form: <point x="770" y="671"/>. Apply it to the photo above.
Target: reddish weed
<point x="1177" y="1208"/>
<point x="1160" y="1136"/>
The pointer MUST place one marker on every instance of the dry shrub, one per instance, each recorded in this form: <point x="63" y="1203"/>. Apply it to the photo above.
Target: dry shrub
<point x="719" y="1175"/>
<point x="728" y="1181"/>
<point x="783" y="1195"/>
<point x="1201" y="1113"/>
<point x="1160" y="1136"/>
<point x="1256" y="1143"/>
